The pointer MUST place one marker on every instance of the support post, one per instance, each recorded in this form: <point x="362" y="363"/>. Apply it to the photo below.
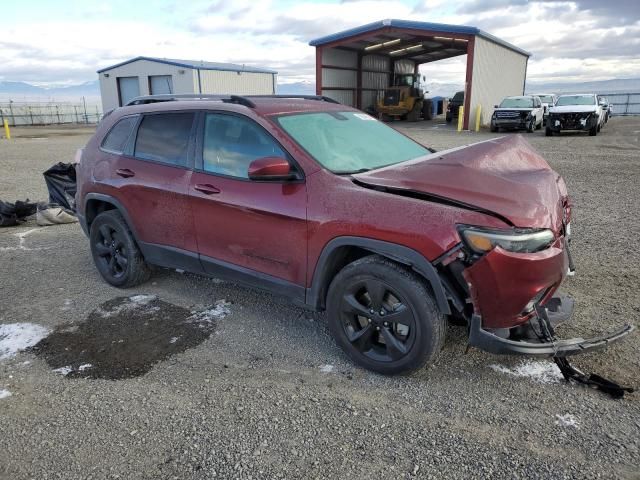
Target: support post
<point x="460" y="118"/>
<point x="468" y="87"/>
<point x="318" y="70"/>
<point x="478" y="115"/>
<point x="358" y="99"/>
<point x="7" y="132"/>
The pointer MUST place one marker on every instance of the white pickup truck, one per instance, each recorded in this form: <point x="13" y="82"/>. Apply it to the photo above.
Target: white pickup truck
<point x="576" y="112"/>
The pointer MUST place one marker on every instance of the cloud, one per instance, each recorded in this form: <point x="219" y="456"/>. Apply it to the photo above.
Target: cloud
<point x="577" y="39"/>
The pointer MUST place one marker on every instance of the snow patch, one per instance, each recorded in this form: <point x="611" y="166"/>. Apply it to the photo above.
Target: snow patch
<point x="173" y="339"/>
<point x="542" y="372"/>
<point x="219" y="310"/>
<point x="4" y="393"/>
<point x="134" y="302"/>
<point x="567" y="420"/>
<point x="326" y="368"/>
<point x="21" y="242"/>
<point x="15" y="337"/>
<point x="63" y="370"/>
<point x="84" y="366"/>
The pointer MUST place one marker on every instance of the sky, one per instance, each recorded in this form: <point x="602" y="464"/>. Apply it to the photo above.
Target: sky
<point x="64" y="42"/>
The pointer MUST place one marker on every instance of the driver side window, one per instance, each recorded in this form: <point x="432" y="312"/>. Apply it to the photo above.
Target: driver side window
<point x="231" y="143"/>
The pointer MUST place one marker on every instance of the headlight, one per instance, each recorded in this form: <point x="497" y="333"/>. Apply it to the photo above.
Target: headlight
<point x="482" y="240"/>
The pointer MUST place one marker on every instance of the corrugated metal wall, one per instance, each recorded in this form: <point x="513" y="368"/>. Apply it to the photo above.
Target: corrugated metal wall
<point x="375" y="75"/>
<point x="244" y="83"/>
<point x="372" y="79"/>
<point x="497" y="73"/>
<point x="333" y="77"/>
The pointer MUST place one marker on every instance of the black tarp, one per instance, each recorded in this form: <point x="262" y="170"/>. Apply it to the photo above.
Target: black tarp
<point x="13" y="213"/>
<point x="61" y="183"/>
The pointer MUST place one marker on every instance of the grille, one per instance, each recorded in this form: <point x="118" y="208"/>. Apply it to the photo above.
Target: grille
<point x="510" y="114"/>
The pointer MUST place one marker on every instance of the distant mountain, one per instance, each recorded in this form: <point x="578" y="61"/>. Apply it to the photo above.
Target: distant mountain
<point x="296" y="88"/>
<point x="623" y="85"/>
<point x="21" y="91"/>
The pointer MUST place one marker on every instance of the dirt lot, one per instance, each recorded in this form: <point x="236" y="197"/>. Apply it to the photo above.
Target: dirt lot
<point x="215" y="380"/>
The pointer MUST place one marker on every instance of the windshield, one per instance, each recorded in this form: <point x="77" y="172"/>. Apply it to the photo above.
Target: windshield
<point x="575" y="100"/>
<point x="546" y="99"/>
<point x="458" y="97"/>
<point x="517" y="102"/>
<point x="349" y="142"/>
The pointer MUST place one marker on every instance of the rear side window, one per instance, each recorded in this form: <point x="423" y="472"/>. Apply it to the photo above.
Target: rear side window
<point x="164" y="138"/>
<point x="116" y="139"/>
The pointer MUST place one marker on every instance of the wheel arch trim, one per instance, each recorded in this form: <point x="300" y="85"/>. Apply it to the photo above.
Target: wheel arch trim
<point x="113" y="201"/>
<point x="399" y="253"/>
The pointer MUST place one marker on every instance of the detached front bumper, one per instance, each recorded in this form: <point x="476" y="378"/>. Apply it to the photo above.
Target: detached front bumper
<point x="492" y="343"/>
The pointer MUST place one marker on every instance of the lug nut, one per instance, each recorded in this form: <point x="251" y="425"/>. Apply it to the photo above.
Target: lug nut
<point x="386" y="324"/>
<point x="369" y="320"/>
<point x="377" y="328"/>
<point x="381" y="313"/>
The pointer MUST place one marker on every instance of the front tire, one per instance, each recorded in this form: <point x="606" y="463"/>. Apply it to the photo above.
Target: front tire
<point x="531" y="126"/>
<point x="548" y="132"/>
<point x="384" y="317"/>
<point x="115" y="252"/>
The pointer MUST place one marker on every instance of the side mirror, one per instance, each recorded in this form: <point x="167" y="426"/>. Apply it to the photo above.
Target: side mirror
<point x="496" y="106"/>
<point x="270" y="168"/>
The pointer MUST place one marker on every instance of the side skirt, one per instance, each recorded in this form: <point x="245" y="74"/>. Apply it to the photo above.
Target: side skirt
<point x="170" y="257"/>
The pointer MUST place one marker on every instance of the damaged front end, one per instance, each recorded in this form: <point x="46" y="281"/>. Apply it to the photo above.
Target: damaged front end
<point x="572" y="121"/>
<point x="509" y="299"/>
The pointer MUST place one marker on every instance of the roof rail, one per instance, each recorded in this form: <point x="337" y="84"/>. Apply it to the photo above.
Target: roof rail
<point x="171" y="97"/>
<point x="238" y="99"/>
<point x="320" y="98"/>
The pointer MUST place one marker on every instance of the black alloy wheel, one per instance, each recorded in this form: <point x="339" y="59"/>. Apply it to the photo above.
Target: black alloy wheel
<point x="377" y="321"/>
<point x="115" y="251"/>
<point x="111" y="251"/>
<point x="383" y="315"/>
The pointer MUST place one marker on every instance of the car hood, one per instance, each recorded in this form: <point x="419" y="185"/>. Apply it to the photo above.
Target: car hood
<point x="505" y="177"/>
<point x="573" y="109"/>
<point x="514" y="109"/>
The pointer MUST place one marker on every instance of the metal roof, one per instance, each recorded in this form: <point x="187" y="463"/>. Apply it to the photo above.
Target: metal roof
<point x="413" y="25"/>
<point x="196" y="65"/>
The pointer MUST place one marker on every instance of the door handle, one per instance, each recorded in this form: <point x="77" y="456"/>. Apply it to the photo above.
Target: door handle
<point x="125" y="172"/>
<point x="206" y="188"/>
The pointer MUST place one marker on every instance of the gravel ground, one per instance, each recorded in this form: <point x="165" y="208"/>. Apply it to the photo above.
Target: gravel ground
<point x="264" y="392"/>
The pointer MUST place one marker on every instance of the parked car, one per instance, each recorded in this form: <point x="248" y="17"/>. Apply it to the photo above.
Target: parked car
<point x="575" y="112"/>
<point x="453" y="107"/>
<point x="548" y="100"/>
<point x="335" y="210"/>
<point x="606" y="107"/>
<point x="513" y="113"/>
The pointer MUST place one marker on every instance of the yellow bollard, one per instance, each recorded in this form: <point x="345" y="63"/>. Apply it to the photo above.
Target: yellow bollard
<point x="7" y="132"/>
<point x="478" y="114"/>
<point x="460" y="117"/>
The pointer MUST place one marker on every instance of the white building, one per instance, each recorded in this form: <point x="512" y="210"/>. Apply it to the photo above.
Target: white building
<point x="152" y="76"/>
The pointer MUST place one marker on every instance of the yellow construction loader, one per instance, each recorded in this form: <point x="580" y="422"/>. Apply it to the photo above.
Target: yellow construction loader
<point x="403" y="100"/>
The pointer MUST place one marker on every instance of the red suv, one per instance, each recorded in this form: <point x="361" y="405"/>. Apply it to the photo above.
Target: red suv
<point x="322" y="203"/>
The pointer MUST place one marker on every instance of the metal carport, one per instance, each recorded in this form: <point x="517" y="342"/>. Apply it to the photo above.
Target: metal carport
<point x="354" y="66"/>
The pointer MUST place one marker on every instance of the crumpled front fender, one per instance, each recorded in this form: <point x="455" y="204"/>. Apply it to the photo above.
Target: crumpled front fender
<point x="502" y="283"/>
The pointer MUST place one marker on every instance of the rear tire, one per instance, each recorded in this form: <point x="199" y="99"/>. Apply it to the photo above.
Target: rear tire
<point x="384" y="317"/>
<point x="548" y="132"/>
<point x="115" y="251"/>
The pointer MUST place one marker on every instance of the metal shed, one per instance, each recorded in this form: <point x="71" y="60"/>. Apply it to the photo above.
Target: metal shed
<point x="354" y="66"/>
<point x="147" y="76"/>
